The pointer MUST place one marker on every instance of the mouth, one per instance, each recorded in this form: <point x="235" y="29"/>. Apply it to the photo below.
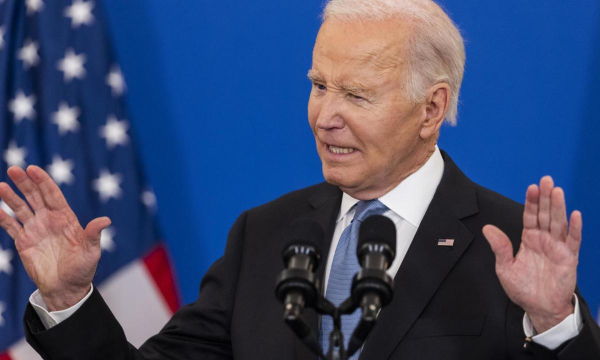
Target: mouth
<point x="339" y="149"/>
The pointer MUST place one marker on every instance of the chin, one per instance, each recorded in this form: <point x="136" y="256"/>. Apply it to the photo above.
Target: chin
<point x="343" y="179"/>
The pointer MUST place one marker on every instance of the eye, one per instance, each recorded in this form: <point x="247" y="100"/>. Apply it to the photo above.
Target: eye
<point x="319" y="87"/>
<point x="356" y="97"/>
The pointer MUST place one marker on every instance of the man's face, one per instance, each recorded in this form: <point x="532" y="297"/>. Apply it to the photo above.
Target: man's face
<point x="366" y="131"/>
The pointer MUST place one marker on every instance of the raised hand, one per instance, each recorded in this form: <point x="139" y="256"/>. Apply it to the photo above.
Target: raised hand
<point x="541" y="278"/>
<point x="58" y="254"/>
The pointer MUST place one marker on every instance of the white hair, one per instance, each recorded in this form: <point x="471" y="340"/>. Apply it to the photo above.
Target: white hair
<point x="437" y="51"/>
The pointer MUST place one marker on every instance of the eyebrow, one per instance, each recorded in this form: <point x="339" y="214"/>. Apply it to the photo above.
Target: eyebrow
<point x="351" y="87"/>
<point x="355" y="88"/>
<point x="313" y="75"/>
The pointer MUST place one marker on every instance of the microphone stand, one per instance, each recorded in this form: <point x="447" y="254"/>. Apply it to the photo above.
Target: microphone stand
<point x="337" y="351"/>
<point x="372" y="289"/>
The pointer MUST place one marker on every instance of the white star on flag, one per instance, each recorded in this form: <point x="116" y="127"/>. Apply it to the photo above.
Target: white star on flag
<point x="115" y="80"/>
<point x="15" y="155"/>
<point x="34" y="6"/>
<point x="2" y="31"/>
<point x="4" y="206"/>
<point x="66" y="118"/>
<point x="107" y="185"/>
<point x="80" y="13"/>
<point x="115" y="132"/>
<point x="2" y="308"/>
<point x="5" y="258"/>
<point x="22" y="107"/>
<point x="29" y="54"/>
<point x="106" y="239"/>
<point x="72" y="65"/>
<point x="149" y="199"/>
<point x="60" y="170"/>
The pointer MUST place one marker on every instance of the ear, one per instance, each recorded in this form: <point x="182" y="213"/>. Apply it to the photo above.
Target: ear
<point x="436" y="106"/>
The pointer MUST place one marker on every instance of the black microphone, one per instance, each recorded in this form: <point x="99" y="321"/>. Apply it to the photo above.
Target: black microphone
<point x="372" y="287"/>
<point x="297" y="286"/>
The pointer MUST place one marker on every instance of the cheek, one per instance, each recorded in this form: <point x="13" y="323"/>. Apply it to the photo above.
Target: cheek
<point x="383" y="141"/>
<point x="313" y="112"/>
<point x="376" y="136"/>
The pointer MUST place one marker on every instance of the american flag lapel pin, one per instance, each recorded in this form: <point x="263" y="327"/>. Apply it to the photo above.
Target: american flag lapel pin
<point x="446" y="242"/>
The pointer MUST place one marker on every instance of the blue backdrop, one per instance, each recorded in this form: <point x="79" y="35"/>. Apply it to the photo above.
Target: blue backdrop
<point x="217" y="92"/>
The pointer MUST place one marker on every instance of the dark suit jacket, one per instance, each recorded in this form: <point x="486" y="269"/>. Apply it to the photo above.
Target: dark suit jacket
<point x="448" y="302"/>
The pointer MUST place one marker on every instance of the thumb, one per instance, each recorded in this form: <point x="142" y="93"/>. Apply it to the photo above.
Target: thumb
<point x="501" y="246"/>
<point x="94" y="228"/>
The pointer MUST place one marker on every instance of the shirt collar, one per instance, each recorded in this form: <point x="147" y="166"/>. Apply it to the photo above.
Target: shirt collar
<point x="411" y="198"/>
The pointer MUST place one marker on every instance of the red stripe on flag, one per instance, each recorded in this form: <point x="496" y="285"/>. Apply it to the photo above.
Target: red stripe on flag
<point x="4" y="357"/>
<point x="159" y="267"/>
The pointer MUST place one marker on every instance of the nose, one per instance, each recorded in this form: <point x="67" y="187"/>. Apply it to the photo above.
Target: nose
<point x="330" y="114"/>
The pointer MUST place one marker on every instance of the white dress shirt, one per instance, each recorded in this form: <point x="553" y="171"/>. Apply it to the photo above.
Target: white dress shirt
<point x="407" y="204"/>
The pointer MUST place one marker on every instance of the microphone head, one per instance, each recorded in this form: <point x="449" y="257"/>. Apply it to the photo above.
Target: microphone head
<point x="305" y="233"/>
<point x="378" y="229"/>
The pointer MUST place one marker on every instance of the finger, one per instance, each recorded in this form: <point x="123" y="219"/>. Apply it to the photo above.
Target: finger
<point x="27" y="187"/>
<point x="501" y="246"/>
<point x="53" y="197"/>
<point x="546" y="186"/>
<point x="10" y="225"/>
<point x="94" y="228"/>
<point x="530" y="215"/>
<point x="15" y="203"/>
<point x="574" y="236"/>
<point x="558" y="215"/>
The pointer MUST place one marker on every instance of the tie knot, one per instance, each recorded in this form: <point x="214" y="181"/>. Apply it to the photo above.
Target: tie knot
<point x="364" y="209"/>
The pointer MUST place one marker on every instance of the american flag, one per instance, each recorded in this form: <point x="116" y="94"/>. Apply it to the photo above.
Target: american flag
<point x="62" y="108"/>
<point x="445" y="242"/>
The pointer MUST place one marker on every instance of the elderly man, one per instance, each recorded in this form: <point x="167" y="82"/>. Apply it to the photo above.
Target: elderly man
<point x="385" y="76"/>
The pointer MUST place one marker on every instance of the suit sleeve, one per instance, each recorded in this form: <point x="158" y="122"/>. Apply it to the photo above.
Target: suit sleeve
<point x="200" y="330"/>
<point x="585" y="346"/>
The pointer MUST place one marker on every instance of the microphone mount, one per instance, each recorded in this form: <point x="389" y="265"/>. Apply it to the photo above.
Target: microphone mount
<point x="372" y="289"/>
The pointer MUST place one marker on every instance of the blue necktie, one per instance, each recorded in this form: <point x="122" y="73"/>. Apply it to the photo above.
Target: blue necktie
<point x="343" y="268"/>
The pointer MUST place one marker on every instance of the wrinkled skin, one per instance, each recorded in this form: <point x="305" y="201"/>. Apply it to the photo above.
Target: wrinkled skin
<point x="541" y="278"/>
<point x="57" y="253"/>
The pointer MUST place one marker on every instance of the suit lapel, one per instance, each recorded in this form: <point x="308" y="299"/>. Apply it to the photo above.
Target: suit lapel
<point x="426" y="264"/>
<point x="325" y="205"/>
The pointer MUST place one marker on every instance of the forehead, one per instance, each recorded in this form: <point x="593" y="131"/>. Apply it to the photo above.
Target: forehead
<point x="380" y="45"/>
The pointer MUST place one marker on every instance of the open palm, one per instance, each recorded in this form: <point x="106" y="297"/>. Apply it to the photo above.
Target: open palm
<point x="58" y="254"/>
<point x="541" y="278"/>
